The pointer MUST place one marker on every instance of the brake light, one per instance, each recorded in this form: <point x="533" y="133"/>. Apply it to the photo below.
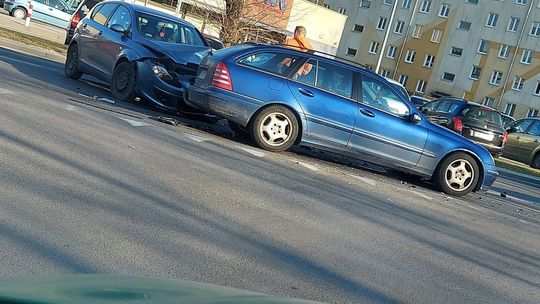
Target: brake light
<point x="222" y="78"/>
<point x="505" y="137"/>
<point x="75" y="19"/>
<point x="458" y="124"/>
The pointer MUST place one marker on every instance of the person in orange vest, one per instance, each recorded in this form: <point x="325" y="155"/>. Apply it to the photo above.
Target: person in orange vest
<point x="299" y="41"/>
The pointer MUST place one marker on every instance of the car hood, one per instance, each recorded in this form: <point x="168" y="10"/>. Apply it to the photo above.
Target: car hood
<point x="179" y="53"/>
<point x="100" y="288"/>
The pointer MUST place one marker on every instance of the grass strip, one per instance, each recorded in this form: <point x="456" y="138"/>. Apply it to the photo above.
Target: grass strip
<point x="517" y="167"/>
<point x="31" y="40"/>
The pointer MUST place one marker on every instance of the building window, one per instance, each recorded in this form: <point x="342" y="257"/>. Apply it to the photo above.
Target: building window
<point x="492" y="20"/>
<point x="509" y="109"/>
<point x="420" y="86"/>
<point x="425" y="7"/>
<point x="358" y="28"/>
<point x="351" y="52"/>
<point x="483" y="47"/>
<point x="532" y="113"/>
<point x="374" y="47"/>
<point x="385" y="73"/>
<point x="381" y="25"/>
<point x="391" y="53"/>
<point x="475" y="72"/>
<point x="326" y="5"/>
<point x="436" y="36"/>
<point x="535" y="29"/>
<point x="411" y="54"/>
<point x="537" y="90"/>
<point x="388" y="2"/>
<point x="518" y="83"/>
<point x="445" y="10"/>
<point x="406" y="4"/>
<point x="496" y="77"/>
<point x="504" y="51"/>
<point x="513" y="24"/>
<point x="428" y="61"/>
<point x="522" y="2"/>
<point x="472" y="1"/>
<point x="399" y="27"/>
<point x="417" y="33"/>
<point x="489" y="101"/>
<point x="456" y="51"/>
<point x="526" y="57"/>
<point x="448" y="76"/>
<point x="464" y="25"/>
<point x="342" y="10"/>
<point x="403" y="79"/>
<point x="365" y="3"/>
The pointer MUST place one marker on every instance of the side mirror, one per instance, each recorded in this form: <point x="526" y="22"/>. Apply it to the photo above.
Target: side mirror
<point x="415" y="118"/>
<point x="118" y="28"/>
<point x="510" y="130"/>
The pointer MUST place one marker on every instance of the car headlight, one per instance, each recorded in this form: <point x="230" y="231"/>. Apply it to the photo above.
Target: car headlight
<point x="161" y="72"/>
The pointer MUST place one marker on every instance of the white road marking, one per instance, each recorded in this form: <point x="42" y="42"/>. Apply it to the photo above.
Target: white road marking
<point x="6" y="92"/>
<point x="366" y="180"/>
<point x="107" y="100"/>
<point x="28" y="63"/>
<point x="70" y="108"/>
<point x="421" y="195"/>
<point x="134" y="123"/>
<point x="306" y="165"/>
<point x="253" y="152"/>
<point x="197" y="138"/>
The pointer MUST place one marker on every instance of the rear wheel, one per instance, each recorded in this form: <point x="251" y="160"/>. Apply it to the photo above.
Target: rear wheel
<point x="123" y="82"/>
<point x="275" y="128"/>
<point x="19" y="13"/>
<point x="536" y="161"/>
<point x="457" y="175"/>
<point x="72" y="60"/>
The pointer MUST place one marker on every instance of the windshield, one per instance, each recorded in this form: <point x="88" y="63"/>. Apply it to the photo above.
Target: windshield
<point x="165" y="30"/>
<point x="483" y="114"/>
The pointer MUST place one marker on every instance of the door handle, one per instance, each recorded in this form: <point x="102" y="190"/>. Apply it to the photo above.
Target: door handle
<point x="367" y="112"/>
<point x="306" y="92"/>
<point x="99" y="33"/>
<point x="85" y="25"/>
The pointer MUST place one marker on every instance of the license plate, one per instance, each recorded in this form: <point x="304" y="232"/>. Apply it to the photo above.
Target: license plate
<point x="482" y="135"/>
<point x="202" y="74"/>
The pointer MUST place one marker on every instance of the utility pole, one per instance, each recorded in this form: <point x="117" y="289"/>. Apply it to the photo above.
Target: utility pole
<point x="385" y="40"/>
<point x="178" y="8"/>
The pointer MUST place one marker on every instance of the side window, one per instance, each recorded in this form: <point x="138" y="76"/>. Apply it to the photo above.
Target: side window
<point x="430" y="107"/>
<point x="448" y="106"/>
<point x="272" y="62"/>
<point x="522" y="126"/>
<point x="122" y="17"/>
<point x="535" y="129"/>
<point x="380" y="96"/>
<point x="103" y="13"/>
<point x="42" y="1"/>
<point x="57" y="4"/>
<point x="334" y="79"/>
<point x="308" y="77"/>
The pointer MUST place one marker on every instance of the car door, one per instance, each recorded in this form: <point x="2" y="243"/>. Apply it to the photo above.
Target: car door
<point x="58" y="13"/>
<point x="40" y="10"/>
<point x="326" y="95"/>
<point x="383" y="135"/>
<point x="529" y="142"/>
<point x="112" y="43"/>
<point x="515" y="132"/>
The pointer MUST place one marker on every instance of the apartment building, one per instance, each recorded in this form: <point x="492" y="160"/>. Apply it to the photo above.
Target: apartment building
<point x="487" y="51"/>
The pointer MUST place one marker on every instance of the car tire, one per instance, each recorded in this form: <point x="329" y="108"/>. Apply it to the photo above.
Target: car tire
<point x="457" y="175"/>
<point x="536" y="161"/>
<point x="123" y="82"/>
<point x="72" y="61"/>
<point x="275" y="128"/>
<point x="238" y="130"/>
<point x="19" y="13"/>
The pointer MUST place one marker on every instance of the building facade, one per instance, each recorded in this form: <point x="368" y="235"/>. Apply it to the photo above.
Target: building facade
<point x="487" y="51"/>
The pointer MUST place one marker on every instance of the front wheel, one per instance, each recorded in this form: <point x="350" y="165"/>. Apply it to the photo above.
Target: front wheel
<point x="72" y="60"/>
<point x="19" y="13"/>
<point x="275" y="128"/>
<point x="536" y="161"/>
<point x="123" y="82"/>
<point x="457" y="175"/>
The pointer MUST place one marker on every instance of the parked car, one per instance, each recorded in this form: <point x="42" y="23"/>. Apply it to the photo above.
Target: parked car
<point x="54" y="12"/>
<point x="336" y="106"/>
<point x="214" y="42"/>
<point x="524" y="141"/>
<point x="507" y="119"/>
<point x="419" y="101"/>
<point x="139" y="51"/>
<point x="474" y="121"/>
<point x="79" y="13"/>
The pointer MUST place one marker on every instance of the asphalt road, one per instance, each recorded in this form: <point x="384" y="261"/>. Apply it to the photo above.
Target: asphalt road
<point x="89" y="186"/>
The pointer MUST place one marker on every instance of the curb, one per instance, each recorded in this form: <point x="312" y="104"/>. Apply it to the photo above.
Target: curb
<point x="527" y="176"/>
<point x="16" y="46"/>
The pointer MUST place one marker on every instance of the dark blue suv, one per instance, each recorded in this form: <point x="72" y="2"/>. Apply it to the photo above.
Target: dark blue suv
<point x="283" y="96"/>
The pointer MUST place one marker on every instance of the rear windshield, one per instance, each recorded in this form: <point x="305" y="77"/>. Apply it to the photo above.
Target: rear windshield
<point x="483" y="114"/>
<point x="161" y="29"/>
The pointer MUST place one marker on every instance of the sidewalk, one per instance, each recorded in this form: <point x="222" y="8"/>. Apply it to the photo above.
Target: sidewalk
<point x="36" y="29"/>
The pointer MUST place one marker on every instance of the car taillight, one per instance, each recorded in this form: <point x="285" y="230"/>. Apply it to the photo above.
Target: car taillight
<point x="222" y="78"/>
<point x="505" y="137"/>
<point x="458" y="124"/>
<point x="75" y="20"/>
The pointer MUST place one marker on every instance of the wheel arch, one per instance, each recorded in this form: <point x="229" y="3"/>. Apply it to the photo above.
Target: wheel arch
<point x="301" y="122"/>
<point x="471" y="154"/>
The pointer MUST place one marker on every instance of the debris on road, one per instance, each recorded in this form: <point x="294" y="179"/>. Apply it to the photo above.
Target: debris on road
<point x="167" y="120"/>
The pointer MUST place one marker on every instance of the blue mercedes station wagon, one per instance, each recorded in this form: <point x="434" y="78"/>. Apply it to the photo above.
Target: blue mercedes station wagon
<point x="140" y="51"/>
<point x="282" y="96"/>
